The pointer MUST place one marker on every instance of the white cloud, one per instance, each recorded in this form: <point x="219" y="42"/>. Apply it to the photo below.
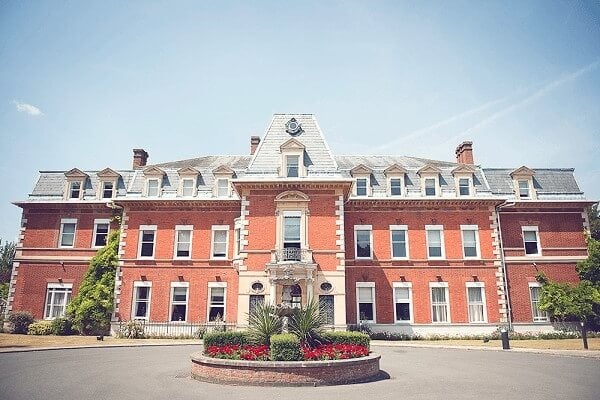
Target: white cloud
<point x="28" y="108"/>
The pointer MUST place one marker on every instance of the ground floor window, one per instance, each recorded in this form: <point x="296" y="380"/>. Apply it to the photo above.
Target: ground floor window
<point x="141" y="300"/>
<point x="403" y="301"/>
<point x="216" y="303"/>
<point x="440" y="308"/>
<point x="179" y="301"/>
<point x="58" y="296"/>
<point x="476" y="302"/>
<point x="256" y="300"/>
<point x="326" y="307"/>
<point x="365" y="301"/>
<point x="534" y="291"/>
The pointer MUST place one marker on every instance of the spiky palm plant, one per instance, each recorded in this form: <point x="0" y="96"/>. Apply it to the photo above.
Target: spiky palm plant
<point x="263" y="322"/>
<point x="308" y="324"/>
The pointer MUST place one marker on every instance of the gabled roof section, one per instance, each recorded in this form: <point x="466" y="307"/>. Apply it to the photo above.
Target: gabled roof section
<point x="187" y="171"/>
<point x="463" y="169"/>
<point x="522" y="171"/>
<point x="108" y="173"/>
<point x="394" y="169"/>
<point x="75" y="173"/>
<point x="317" y="157"/>
<point x="223" y="170"/>
<point x="429" y="169"/>
<point x="153" y="171"/>
<point x="292" y="144"/>
<point x="361" y="169"/>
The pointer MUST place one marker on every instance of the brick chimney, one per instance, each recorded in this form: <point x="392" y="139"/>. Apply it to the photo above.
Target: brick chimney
<point x="464" y="153"/>
<point x="254" y="142"/>
<point x="140" y="157"/>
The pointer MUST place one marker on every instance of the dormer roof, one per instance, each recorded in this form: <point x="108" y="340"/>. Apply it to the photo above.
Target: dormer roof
<point x="223" y="170"/>
<point x="153" y="171"/>
<point x="394" y="169"/>
<point x="361" y="169"/>
<point x="108" y="173"/>
<point x="75" y="173"/>
<point x="522" y="171"/>
<point x="464" y="169"/>
<point x="292" y="144"/>
<point x="429" y="169"/>
<point x="187" y="171"/>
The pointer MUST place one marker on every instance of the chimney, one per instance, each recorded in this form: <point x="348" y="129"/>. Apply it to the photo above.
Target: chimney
<point x="254" y="141"/>
<point x="140" y="157"/>
<point x="464" y="153"/>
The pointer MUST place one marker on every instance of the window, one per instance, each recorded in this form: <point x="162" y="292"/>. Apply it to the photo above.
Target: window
<point x="67" y="232"/>
<point x="216" y="305"/>
<point x="291" y="235"/>
<point x="464" y="187"/>
<point x="75" y="190"/>
<point x="470" y="239"/>
<point x="222" y="187"/>
<point x="476" y="302"/>
<point x="430" y="189"/>
<point x="255" y="301"/>
<point x="153" y="188"/>
<point x="531" y="241"/>
<point x="365" y="301"/>
<point x="362" y="238"/>
<point x="524" y="189"/>
<point x="107" y="190"/>
<point x="187" y="187"/>
<point x="141" y="300"/>
<point x="237" y="237"/>
<point x="179" y="301"/>
<point x="220" y="234"/>
<point x="292" y="166"/>
<point x="326" y="308"/>
<point x="534" y="291"/>
<point x="435" y="241"/>
<point x="361" y="187"/>
<point x="396" y="187"/>
<point x="58" y="296"/>
<point x="399" y="240"/>
<point x="183" y="241"/>
<point x="101" y="227"/>
<point x="440" y="308"/>
<point x="146" y="244"/>
<point x="403" y="302"/>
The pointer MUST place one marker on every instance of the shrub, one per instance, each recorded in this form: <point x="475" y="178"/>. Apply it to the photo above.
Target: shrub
<point x="225" y="339"/>
<point x="61" y="326"/>
<point x="263" y="322"/>
<point x="308" y="324"/>
<point x="285" y="347"/>
<point x="394" y="336"/>
<point x="132" y="330"/>
<point x="40" y="328"/>
<point x="341" y="337"/>
<point x="20" y="321"/>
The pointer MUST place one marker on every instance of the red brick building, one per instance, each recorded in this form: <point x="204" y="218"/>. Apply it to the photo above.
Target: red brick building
<point x="407" y="244"/>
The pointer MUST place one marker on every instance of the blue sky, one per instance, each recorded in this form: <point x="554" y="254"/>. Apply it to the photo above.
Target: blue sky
<point x="82" y="83"/>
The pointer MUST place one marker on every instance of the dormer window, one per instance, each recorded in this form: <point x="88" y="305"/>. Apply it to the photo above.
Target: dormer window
<point x="75" y="185"/>
<point x="524" y="190"/>
<point x="154" y="177"/>
<point x="396" y="187"/>
<point x="292" y="166"/>
<point x="361" y="187"/>
<point x="430" y="181"/>
<point x="188" y="176"/>
<point x="430" y="187"/>
<point x="464" y="187"/>
<point x="463" y="178"/>
<point x="187" y="187"/>
<point x="395" y="177"/>
<point x="107" y="190"/>
<point x="292" y="159"/>
<point x="75" y="190"/>
<point x="152" y="187"/>
<point x="223" y="176"/>
<point x="523" y="179"/>
<point x="362" y="180"/>
<point x="223" y="187"/>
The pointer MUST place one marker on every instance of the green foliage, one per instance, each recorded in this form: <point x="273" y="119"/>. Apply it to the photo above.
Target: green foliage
<point x="225" y="339"/>
<point x="285" y="347"/>
<point x="91" y="309"/>
<point x="342" y="337"/>
<point x="132" y="330"/>
<point x="7" y="255"/>
<point x="20" y="321"/>
<point x="566" y="302"/>
<point x="263" y="322"/>
<point x="594" y="220"/>
<point x="4" y="290"/>
<point x="307" y="323"/>
<point x="40" y="328"/>
<point x="62" y="326"/>
<point x="589" y="269"/>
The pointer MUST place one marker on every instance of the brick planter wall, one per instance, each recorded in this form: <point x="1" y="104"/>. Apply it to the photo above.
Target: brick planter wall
<point x="278" y="373"/>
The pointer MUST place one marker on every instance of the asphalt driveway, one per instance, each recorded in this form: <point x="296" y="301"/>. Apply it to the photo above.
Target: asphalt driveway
<point x="414" y="373"/>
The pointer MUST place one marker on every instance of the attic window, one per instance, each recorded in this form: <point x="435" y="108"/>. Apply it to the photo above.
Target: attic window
<point x="75" y="190"/>
<point x="524" y="189"/>
<point x="107" y="190"/>
<point x="293" y="127"/>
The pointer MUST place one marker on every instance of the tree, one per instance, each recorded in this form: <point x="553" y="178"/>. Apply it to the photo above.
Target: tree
<point x="91" y="309"/>
<point x="594" y="220"/>
<point x="7" y="255"/>
<point x="589" y="269"/>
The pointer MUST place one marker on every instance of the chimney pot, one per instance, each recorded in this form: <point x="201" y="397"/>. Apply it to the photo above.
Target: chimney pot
<point x="464" y="153"/>
<point x="254" y="142"/>
<point x="140" y="158"/>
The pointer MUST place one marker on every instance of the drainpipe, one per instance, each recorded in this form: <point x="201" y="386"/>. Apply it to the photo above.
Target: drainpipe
<point x="503" y="263"/>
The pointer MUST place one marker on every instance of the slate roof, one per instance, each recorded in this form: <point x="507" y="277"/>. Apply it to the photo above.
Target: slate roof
<point x="549" y="183"/>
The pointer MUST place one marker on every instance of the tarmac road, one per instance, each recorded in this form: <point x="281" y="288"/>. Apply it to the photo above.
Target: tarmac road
<point x="162" y="372"/>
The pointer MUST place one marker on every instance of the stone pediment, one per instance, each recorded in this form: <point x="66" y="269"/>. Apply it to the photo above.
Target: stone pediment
<point x="153" y="171"/>
<point x="394" y="169"/>
<point x="223" y="170"/>
<point x="522" y="171"/>
<point x="75" y="173"/>
<point x="108" y="173"/>
<point x="292" y="195"/>
<point x="463" y="169"/>
<point x="361" y="169"/>
<point x="292" y="144"/>
<point x="429" y="170"/>
<point x="188" y="171"/>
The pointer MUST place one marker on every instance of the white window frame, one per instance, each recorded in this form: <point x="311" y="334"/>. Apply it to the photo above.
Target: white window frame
<point x="179" y="228"/>
<point x="399" y="228"/>
<point x="141" y="230"/>
<point x="366" y="285"/>
<point x="363" y="228"/>
<point x="67" y="288"/>
<point x="546" y="318"/>
<point x="103" y="189"/>
<point x="448" y="313"/>
<point x="81" y="190"/>
<point x="136" y="285"/>
<point x="187" y="299"/>
<point x="216" y="228"/>
<point x="475" y="228"/>
<point x="102" y="221"/>
<point x="367" y="186"/>
<point x="218" y="187"/>
<point x="182" y="188"/>
<point x="287" y="158"/>
<point x="469" y="186"/>
<point x="407" y="285"/>
<point x="443" y="245"/>
<point x="537" y="237"/>
<point x="436" y="185"/>
<point x="389" y="180"/>
<point x="528" y="182"/>
<point x="63" y="222"/>
<point x="212" y="285"/>
<point x="158" y="186"/>
<point x="480" y="285"/>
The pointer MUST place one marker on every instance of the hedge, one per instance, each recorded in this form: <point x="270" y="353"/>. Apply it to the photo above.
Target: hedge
<point x="285" y="347"/>
<point x="343" y="337"/>
<point x="225" y="339"/>
<point x="40" y="328"/>
<point x="20" y="321"/>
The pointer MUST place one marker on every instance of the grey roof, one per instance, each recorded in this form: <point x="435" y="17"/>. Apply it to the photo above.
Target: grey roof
<point x="549" y="183"/>
<point x="51" y="184"/>
<point x="318" y="158"/>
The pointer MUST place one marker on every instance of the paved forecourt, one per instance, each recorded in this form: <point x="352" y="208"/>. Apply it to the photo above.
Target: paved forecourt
<point x="417" y="373"/>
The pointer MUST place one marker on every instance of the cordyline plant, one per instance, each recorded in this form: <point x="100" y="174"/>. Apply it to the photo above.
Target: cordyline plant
<point x="263" y="322"/>
<point x="308" y="324"/>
